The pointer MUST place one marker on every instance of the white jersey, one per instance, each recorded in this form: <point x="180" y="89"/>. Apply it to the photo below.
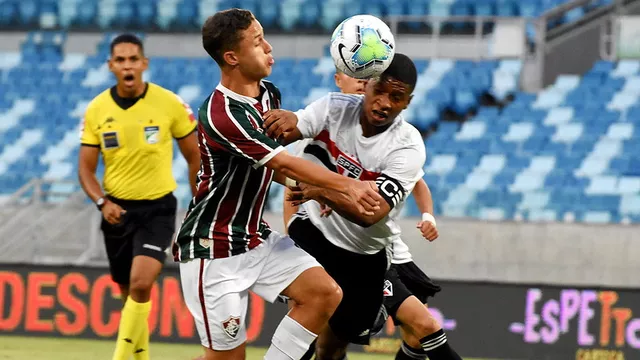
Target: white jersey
<point x="393" y="158"/>
<point x="400" y="252"/>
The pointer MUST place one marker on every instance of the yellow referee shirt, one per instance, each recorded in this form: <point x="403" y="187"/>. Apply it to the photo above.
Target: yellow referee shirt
<point x="135" y="137"/>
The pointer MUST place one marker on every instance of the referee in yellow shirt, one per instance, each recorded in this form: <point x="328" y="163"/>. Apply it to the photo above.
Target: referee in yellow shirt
<point x="133" y="125"/>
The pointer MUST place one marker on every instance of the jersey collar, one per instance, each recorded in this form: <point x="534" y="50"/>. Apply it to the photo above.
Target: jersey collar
<point x="246" y="99"/>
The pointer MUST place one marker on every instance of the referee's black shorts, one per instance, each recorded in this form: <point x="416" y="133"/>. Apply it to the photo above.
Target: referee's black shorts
<point x="405" y="280"/>
<point x="146" y="229"/>
<point x="360" y="276"/>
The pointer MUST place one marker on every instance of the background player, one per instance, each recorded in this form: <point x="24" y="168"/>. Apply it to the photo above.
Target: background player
<point x="224" y="246"/>
<point x="133" y="124"/>
<point x="407" y="287"/>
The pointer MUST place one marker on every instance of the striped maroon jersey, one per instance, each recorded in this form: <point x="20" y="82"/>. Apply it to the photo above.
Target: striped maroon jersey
<point x="225" y="217"/>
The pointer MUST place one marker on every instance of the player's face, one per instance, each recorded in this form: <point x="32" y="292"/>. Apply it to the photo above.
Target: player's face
<point x="349" y="85"/>
<point x="128" y="63"/>
<point x="253" y="55"/>
<point x="384" y="100"/>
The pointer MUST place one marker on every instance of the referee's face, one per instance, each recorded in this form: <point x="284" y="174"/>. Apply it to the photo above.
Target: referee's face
<point x="128" y="63"/>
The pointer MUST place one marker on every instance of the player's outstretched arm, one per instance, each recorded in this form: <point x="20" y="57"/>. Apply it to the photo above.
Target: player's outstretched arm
<point x="363" y="194"/>
<point x="282" y="125"/>
<point x="424" y="200"/>
<point x="339" y="203"/>
<point x="287" y="126"/>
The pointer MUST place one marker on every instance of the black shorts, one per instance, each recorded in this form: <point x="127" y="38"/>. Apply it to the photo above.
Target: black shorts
<point x="405" y="280"/>
<point x="360" y="276"/>
<point x="146" y="229"/>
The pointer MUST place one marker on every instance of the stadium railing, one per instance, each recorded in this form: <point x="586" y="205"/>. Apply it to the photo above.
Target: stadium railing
<point x="42" y="223"/>
<point x="556" y="42"/>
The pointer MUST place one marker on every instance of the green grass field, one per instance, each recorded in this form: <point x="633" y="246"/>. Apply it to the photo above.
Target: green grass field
<point x="24" y="348"/>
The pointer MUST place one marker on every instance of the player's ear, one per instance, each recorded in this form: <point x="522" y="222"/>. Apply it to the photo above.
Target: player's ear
<point x="338" y="81"/>
<point x="230" y="58"/>
<point x="145" y="63"/>
<point x="408" y="101"/>
<point x="110" y="64"/>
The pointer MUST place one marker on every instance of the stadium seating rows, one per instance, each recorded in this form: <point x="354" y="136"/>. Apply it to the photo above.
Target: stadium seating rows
<point x="570" y="151"/>
<point x="285" y="14"/>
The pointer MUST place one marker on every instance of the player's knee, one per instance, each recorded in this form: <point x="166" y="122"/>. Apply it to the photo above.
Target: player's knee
<point x="424" y="325"/>
<point x="325" y="296"/>
<point x="329" y="294"/>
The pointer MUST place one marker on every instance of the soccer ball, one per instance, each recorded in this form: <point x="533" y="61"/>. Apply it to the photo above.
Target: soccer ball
<point x="362" y="46"/>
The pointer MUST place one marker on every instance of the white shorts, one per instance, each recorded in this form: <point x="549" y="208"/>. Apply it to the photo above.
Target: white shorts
<point x="216" y="291"/>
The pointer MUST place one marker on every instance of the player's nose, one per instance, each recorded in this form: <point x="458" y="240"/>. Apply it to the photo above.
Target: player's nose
<point x="267" y="47"/>
<point x="385" y="103"/>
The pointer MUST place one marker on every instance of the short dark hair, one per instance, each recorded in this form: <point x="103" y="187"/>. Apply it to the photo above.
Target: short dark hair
<point x="402" y="69"/>
<point x="127" y="39"/>
<point x="221" y="32"/>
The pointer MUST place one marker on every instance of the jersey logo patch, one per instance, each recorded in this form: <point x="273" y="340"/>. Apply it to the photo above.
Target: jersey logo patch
<point x="110" y="140"/>
<point x="349" y="168"/>
<point x="205" y="243"/>
<point x="152" y="134"/>
<point x="231" y="326"/>
<point x="388" y="288"/>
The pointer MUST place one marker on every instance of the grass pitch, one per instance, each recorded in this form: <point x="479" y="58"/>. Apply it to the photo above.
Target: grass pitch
<point x="24" y="348"/>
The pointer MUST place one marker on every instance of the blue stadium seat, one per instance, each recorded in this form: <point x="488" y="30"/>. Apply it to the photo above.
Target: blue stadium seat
<point x="539" y="157"/>
<point x="146" y="12"/>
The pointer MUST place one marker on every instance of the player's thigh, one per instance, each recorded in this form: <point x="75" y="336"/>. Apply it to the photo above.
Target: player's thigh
<point x="354" y="319"/>
<point x="395" y="293"/>
<point x="217" y="299"/>
<point x="360" y="277"/>
<point x="418" y="283"/>
<point x="118" y="241"/>
<point x="284" y="264"/>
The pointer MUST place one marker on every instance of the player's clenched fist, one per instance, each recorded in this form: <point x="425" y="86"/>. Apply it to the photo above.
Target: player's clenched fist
<point x="365" y="195"/>
<point x="428" y="230"/>
<point x="279" y="122"/>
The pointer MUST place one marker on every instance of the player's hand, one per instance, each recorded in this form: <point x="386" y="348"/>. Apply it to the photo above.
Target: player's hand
<point x="325" y="210"/>
<point x="428" y="230"/>
<point x="279" y="122"/>
<point x="112" y="212"/>
<point x="365" y="195"/>
<point x="296" y="196"/>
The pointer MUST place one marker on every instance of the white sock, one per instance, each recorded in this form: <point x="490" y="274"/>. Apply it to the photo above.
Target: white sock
<point x="290" y="341"/>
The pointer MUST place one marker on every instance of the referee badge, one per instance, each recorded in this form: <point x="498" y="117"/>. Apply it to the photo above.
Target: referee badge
<point x="152" y="134"/>
<point x="110" y="140"/>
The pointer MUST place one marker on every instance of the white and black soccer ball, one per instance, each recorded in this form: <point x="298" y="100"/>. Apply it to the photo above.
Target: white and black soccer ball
<point x="362" y="46"/>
